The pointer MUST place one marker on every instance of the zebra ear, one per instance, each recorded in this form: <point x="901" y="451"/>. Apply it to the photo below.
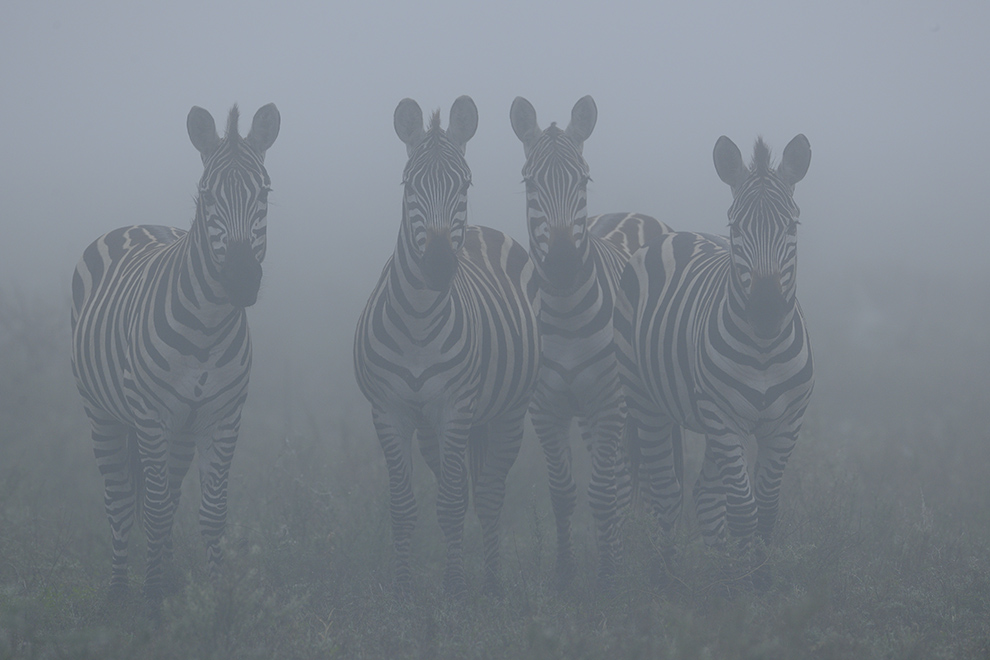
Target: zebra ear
<point x="522" y="114"/>
<point x="584" y="116"/>
<point x="408" y="122"/>
<point x="729" y="162"/>
<point x="463" y="121"/>
<point x="202" y="131"/>
<point x="796" y="159"/>
<point x="264" y="128"/>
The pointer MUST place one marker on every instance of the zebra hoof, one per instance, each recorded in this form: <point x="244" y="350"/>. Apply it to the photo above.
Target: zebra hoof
<point x="455" y="586"/>
<point x="493" y="589"/>
<point x="118" y="595"/>
<point x="761" y="579"/>
<point x="564" y="574"/>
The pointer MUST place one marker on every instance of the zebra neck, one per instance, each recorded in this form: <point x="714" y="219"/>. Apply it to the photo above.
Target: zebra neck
<point x="422" y="308"/>
<point x="565" y="304"/>
<point x="198" y="277"/>
<point x="732" y="315"/>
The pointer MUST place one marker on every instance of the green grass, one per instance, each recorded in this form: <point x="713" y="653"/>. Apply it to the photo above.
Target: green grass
<point x="882" y="550"/>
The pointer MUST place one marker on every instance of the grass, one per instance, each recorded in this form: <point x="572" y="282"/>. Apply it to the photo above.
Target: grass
<point x="882" y="549"/>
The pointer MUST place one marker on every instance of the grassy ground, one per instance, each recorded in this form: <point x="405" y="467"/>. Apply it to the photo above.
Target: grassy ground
<point x="882" y="551"/>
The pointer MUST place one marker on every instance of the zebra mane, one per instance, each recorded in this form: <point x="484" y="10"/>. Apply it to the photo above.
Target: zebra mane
<point x="761" y="157"/>
<point x="434" y="121"/>
<point x="232" y="121"/>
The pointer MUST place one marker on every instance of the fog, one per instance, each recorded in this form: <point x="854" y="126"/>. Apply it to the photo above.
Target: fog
<point x="892" y="96"/>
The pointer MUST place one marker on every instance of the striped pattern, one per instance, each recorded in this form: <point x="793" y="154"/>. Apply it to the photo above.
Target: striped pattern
<point x="447" y="347"/>
<point x="160" y="345"/>
<point x="711" y="338"/>
<point x="579" y="261"/>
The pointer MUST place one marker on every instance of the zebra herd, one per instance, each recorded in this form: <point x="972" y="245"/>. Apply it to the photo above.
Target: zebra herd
<point x="634" y="329"/>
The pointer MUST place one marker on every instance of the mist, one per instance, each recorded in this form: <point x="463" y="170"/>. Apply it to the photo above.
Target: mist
<point x="893" y="98"/>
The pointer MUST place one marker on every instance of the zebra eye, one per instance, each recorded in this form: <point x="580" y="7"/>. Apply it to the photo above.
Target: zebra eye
<point x="207" y="196"/>
<point x="792" y="228"/>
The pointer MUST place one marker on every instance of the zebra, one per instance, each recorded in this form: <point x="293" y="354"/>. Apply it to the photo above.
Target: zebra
<point x="711" y="337"/>
<point x="160" y="346"/>
<point x="578" y="261"/>
<point x="447" y="347"/>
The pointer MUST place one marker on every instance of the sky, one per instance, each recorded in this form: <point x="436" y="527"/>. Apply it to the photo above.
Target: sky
<point x="893" y="97"/>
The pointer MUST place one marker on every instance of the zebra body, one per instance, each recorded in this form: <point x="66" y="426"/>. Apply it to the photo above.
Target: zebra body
<point x="447" y="346"/>
<point x="160" y="345"/>
<point x="711" y="338"/>
<point x="579" y="261"/>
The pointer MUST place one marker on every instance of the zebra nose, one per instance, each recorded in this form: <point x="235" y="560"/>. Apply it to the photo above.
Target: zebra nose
<point x="439" y="262"/>
<point x="241" y="274"/>
<point x="766" y="306"/>
<point x="563" y="260"/>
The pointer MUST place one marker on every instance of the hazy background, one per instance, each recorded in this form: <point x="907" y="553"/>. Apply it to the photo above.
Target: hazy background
<point x="892" y="96"/>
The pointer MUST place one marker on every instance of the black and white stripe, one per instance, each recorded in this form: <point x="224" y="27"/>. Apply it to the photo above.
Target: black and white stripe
<point x="160" y="344"/>
<point x="711" y="338"/>
<point x="447" y="346"/>
<point x="579" y="261"/>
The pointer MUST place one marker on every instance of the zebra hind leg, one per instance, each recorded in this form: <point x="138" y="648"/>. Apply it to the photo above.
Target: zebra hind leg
<point x="116" y="458"/>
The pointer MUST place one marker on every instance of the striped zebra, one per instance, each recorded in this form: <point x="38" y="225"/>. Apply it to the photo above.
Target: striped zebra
<point x="447" y="346"/>
<point x="160" y="346"/>
<point x="711" y="338"/>
<point x="579" y="261"/>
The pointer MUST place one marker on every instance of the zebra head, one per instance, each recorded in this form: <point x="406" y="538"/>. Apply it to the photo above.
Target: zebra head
<point x="763" y="223"/>
<point x="556" y="178"/>
<point x="233" y="198"/>
<point x="435" y="181"/>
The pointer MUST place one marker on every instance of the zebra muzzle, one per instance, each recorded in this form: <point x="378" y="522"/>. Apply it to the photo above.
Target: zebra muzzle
<point x="766" y="307"/>
<point x="562" y="263"/>
<point x="439" y="263"/>
<point x="241" y="274"/>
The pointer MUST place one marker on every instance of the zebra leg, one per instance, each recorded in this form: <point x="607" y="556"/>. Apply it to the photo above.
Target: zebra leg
<point x="395" y="438"/>
<point x="773" y="453"/>
<point x="655" y="441"/>
<point x="158" y="508"/>
<point x="180" y="455"/>
<point x="723" y="495"/>
<point x="605" y="428"/>
<point x="553" y="433"/>
<point x="504" y="438"/>
<point x="452" y="501"/>
<point x="772" y="457"/>
<point x="116" y="458"/>
<point x="214" y="468"/>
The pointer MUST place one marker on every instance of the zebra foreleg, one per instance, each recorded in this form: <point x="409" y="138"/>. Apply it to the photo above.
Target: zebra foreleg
<point x="723" y="496"/>
<point x="452" y="501"/>
<point x="602" y="491"/>
<point x="396" y="441"/>
<point x="504" y="438"/>
<point x="180" y="456"/>
<point x="655" y="440"/>
<point x="553" y="433"/>
<point x="773" y="453"/>
<point x="116" y="459"/>
<point x="159" y="510"/>
<point x="214" y="468"/>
